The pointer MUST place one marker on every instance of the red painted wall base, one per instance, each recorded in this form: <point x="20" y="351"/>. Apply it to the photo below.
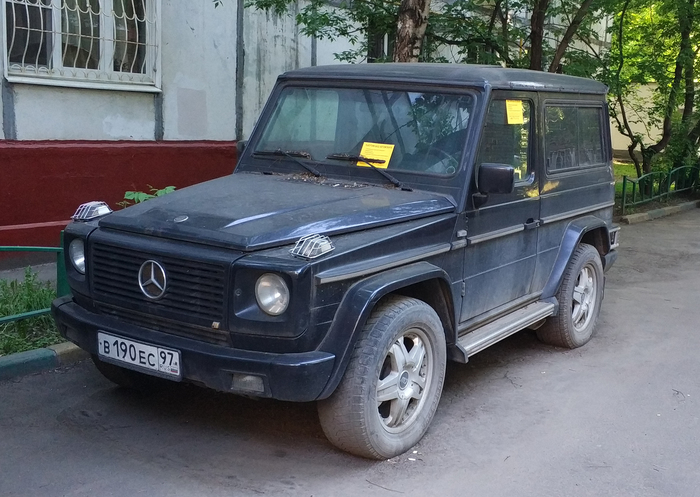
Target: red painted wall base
<point x="42" y="183"/>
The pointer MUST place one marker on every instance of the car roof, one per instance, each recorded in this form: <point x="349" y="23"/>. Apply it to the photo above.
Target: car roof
<point x="467" y="75"/>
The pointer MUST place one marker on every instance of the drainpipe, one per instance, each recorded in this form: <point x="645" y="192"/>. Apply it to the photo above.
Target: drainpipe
<point x="240" y="67"/>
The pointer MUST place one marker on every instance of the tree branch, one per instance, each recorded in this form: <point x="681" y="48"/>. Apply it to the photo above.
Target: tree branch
<point x="625" y="123"/>
<point x="488" y="43"/>
<point x="569" y="34"/>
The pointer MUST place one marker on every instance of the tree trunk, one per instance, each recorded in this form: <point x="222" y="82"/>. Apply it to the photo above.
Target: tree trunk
<point x="624" y="125"/>
<point x="505" y="28"/>
<point x="688" y="15"/>
<point x="685" y="11"/>
<point x="569" y="34"/>
<point x="410" y="29"/>
<point x="539" y="13"/>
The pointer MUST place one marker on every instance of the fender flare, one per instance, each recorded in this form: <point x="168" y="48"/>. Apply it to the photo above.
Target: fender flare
<point x="357" y="305"/>
<point x="572" y="237"/>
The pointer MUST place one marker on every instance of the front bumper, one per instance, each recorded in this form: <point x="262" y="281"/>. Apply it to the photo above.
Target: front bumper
<point x="299" y="377"/>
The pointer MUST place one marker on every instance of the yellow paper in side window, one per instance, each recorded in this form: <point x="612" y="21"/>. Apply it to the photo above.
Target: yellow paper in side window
<point x="379" y="151"/>
<point x="514" y="111"/>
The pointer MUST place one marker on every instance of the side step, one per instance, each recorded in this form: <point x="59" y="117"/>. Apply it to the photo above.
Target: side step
<point x="497" y="330"/>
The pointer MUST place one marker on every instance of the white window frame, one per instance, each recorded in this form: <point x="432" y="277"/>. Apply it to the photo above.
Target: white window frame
<point x="104" y="77"/>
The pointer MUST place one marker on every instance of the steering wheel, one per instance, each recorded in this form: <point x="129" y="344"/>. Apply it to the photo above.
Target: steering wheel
<point x="452" y="163"/>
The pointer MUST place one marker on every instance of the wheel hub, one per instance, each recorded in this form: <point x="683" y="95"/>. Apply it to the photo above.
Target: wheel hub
<point x="583" y="302"/>
<point x="403" y="380"/>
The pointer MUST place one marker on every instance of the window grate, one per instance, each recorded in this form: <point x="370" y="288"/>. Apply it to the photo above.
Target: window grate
<point x="90" y="41"/>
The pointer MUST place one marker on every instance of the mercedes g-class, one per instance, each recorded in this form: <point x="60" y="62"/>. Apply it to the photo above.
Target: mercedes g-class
<point x="382" y="220"/>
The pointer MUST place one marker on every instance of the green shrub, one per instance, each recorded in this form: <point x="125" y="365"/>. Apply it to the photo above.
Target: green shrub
<point x="17" y="297"/>
<point x="135" y="197"/>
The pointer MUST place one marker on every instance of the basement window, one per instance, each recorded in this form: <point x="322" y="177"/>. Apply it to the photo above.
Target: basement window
<point x="109" y="44"/>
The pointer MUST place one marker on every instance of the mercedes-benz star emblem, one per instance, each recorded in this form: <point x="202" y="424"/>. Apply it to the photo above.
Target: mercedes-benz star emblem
<point x="152" y="280"/>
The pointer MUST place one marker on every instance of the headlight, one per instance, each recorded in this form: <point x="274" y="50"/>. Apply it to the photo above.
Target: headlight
<point x="76" y="253"/>
<point x="272" y="294"/>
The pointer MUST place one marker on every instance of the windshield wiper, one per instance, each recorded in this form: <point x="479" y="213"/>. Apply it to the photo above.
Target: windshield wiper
<point x="294" y="155"/>
<point x="369" y="161"/>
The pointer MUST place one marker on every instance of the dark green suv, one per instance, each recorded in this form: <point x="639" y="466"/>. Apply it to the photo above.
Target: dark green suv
<point x="382" y="219"/>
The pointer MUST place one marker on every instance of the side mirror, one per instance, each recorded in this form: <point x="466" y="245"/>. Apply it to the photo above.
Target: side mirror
<point x="240" y="147"/>
<point x="495" y="178"/>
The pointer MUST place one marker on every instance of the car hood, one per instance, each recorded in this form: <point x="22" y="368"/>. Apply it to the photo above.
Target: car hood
<point x="249" y="211"/>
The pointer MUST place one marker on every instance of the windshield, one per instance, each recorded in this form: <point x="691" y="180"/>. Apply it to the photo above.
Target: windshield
<point x="396" y="130"/>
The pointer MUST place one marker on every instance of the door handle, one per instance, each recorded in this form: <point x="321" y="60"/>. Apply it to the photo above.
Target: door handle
<point x="531" y="224"/>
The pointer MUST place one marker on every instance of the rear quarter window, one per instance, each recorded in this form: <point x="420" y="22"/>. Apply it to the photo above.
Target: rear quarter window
<point x="573" y="137"/>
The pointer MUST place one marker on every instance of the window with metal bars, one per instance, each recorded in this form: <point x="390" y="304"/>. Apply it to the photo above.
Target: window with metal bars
<point x="88" y="43"/>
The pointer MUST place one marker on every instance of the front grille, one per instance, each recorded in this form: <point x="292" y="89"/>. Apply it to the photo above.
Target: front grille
<point x="201" y="333"/>
<point x="194" y="289"/>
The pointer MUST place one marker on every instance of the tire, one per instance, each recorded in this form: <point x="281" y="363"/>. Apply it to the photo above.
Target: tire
<point x="126" y="378"/>
<point x="580" y="297"/>
<point x="400" y="357"/>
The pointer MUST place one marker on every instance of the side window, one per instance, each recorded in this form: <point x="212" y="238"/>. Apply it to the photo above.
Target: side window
<point x="573" y="137"/>
<point x="590" y="145"/>
<point x="506" y="135"/>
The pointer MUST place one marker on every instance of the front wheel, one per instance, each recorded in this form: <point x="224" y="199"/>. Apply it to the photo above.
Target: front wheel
<point x="580" y="297"/>
<point x="390" y="391"/>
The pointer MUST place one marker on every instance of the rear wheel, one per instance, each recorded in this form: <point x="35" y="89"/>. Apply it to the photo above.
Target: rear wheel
<point x="580" y="297"/>
<point x="390" y="391"/>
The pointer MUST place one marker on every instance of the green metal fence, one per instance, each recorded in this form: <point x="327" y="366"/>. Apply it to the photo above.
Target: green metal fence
<point x="658" y="185"/>
<point x="62" y="287"/>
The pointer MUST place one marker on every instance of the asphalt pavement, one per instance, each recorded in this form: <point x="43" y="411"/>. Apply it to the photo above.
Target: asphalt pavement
<point x="618" y="417"/>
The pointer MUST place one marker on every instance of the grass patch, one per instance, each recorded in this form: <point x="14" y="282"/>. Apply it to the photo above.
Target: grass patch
<point x="17" y="297"/>
<point x="621" y="169"/>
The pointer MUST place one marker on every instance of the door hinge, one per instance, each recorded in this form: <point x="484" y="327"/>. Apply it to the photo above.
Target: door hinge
<point x="464" y="289"/>
<point x="531" y="224"/>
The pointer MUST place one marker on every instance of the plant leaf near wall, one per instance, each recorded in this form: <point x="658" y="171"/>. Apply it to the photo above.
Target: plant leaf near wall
<point x="136" y="197"/>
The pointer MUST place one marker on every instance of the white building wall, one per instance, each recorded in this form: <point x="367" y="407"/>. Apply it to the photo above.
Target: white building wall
<point x="2" y="93"/>
<point x="54" y="113"/>
<point x="640" y="98"/>
<point x="199" y="70"/>
<point x="198" y="76"/>
<point x="273" y="45"/>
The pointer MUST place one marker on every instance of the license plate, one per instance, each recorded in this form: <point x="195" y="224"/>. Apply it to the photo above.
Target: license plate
<point x="144" y="356"/>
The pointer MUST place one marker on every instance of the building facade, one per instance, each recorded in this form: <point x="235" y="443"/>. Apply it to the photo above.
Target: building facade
<point x="104" y="96"/>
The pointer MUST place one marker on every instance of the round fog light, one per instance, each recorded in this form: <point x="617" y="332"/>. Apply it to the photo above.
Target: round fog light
<point x="272" y="294"/>
<point x="76" y="254"/>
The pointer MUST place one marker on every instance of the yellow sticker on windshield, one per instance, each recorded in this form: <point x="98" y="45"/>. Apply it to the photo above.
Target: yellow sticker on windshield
<point x="514" y="111"/>
<point x="380" y="152"/>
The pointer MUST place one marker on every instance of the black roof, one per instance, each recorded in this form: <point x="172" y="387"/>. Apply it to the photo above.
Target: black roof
<point x="451" y="74"/>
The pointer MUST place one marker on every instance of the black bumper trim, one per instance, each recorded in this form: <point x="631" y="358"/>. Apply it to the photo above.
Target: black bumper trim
<point x="298" y="377"/>
<point x="609" y="259"/>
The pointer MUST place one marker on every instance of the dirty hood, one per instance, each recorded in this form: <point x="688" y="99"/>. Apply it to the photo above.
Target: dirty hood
<point x="249" y="211"/>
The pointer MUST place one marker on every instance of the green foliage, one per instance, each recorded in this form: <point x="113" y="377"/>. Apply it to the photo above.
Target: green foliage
<point x="654" y="47"/>
<point x="650" y="47"/>
<point x="474" y="31"/>
<point x="17" y="297"/>
<point x="136" y="197"/>
<point x="678" y="153"/>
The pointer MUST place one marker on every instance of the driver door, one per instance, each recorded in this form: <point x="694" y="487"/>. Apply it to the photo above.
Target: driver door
<point x="502" y="233"/>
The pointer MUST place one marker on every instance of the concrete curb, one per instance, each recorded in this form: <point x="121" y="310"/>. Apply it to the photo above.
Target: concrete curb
<point x="35" y="361"/>
<point x="657" y="213"/>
